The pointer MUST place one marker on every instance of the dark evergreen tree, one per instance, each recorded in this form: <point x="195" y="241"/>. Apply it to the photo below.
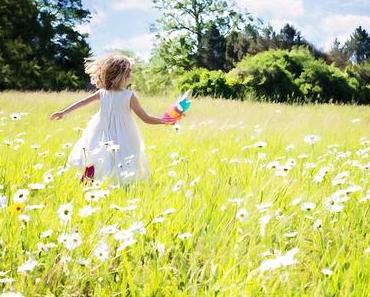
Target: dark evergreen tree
<point x="358" y="46"/>
<point x="337" y="55"/>
<point x="212" y="50"/>
<point x="39" y="45"/>
<point x="289" y="36"/>
<point x="237" y="45"/>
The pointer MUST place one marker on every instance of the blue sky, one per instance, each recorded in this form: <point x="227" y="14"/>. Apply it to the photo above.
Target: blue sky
<point x="125" y="23"/>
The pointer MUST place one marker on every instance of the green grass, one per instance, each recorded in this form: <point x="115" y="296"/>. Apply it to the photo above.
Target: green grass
<point x="223" y="255"/>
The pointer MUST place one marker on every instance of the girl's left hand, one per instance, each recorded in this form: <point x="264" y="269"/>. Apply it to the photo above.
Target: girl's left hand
<point x="56" y="116"/>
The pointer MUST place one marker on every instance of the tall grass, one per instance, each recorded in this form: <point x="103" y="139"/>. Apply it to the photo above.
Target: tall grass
<point x="212" y="186"/>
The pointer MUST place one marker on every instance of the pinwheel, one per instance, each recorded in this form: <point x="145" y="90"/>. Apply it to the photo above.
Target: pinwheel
<point x="176" y="111"/>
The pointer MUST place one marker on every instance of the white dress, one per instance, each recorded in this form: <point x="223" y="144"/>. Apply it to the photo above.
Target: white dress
<point x="112" y="142"/>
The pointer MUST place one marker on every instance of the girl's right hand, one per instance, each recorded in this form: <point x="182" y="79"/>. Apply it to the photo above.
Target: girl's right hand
<point x="169" y="121"/>
<point x="56" y="115"/>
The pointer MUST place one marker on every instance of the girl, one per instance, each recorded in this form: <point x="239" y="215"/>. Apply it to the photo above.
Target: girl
<point x="111" y="144"/>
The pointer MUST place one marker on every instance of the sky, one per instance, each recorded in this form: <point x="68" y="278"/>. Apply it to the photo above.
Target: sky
<point x="126" y="24"/>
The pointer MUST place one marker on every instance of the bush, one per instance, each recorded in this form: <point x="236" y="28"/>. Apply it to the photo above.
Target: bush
<point x="325" y="83"/>
<point x="279" y="75"/>
<point x="203" y="82"/>
<point x="267" y="74"/>
<point x="359" y="76"/>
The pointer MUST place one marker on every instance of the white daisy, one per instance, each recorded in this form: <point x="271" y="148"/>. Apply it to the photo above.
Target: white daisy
<point x="11" y="294"/>
<point x="260" y="144"/>
<point x="84" y="262"/>
<point x="110" y="229"/>
<point x="27" y="266"/>
<point x="185" y="235"/>
<point x="48" y="178"/>
<point x="46" y="233"/>
<point x="160" y="248"/>
<point x="319" y="177"/>
<point x="172" y="173"/>
<point x="88" y="210"/>
<point x="70" y="240"/>
<point x="327" y="271"/>
<point x="317" y="224"/>
<point x="242" y="215"/>
<point x="65" y="213"/>
<point x="21" y="196"/>
<point x="34" y="206"/>
<point x="24" y="218"/>
<point x="311" y="139"/>
<point x="280" y="261"/>
<point x="67" y="145"/>
<point x="178" y="186"/>
<point x="36" y="186"/>
<point x="126" y="243"/>
<point x="6" y="281"/>
<point x="158" y="220"/>
<point x="168" y="211"/>
<point x="307" y="206"/>
<point x="3" y="201"/>
<point x="101" y="251"/>
<point x="263" y="222"/>
<point x="137" y="227"/>
<point x="194" y="181"/>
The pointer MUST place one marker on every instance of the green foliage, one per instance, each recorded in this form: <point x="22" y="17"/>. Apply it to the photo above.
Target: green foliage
<point x="282" y="76"/>
<point x="236" y="45"/>
<point x="213" y="48"/>
<point x="325" y="83"/>
<point x="358" y="46"/>
<point x="155" y="77"/>
<point x="49" y="54"/>
<point x="269" y="74"/>
<point x="192" y="18"/>
<point x="194" y="179"/>
<point x="203" y="82"/>
<point x="360" y="77"/>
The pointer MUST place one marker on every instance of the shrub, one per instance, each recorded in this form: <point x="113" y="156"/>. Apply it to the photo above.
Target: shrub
<point x="283" y="76"/>
<point x="203" y="82"/>
<point x="359" y="76"/>
<point x="267" y="75"/>
<point x="325" y="83"/>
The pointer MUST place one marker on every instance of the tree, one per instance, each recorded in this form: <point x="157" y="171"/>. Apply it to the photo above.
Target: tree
<point x="212" y="50"/>
<point x="16" y="43"/>
<point x="39" y="47"/>
<point x="190" y="18"/>
<point x="266" y="39"/>
<point x="289" y="36"/>
<point x="358" y="46"/>
<point x="237" y="45"/>
<point x="337" y="55"/>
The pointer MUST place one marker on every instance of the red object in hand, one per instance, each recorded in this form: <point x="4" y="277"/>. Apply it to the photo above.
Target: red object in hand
<point x="88" y="174"/>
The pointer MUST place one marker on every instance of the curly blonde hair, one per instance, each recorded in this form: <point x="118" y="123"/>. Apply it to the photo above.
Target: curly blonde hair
<point x="110" y="72"/>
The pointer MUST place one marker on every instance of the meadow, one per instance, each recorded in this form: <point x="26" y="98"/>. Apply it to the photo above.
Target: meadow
<point x="244" y="199"/>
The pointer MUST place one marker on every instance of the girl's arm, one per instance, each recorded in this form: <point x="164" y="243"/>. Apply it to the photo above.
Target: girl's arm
<point x="60" y="114"/>
<point x="141" y="113"/>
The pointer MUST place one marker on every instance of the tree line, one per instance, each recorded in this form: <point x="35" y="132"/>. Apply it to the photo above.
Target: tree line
<point x="201" y="42"/>
<point x="40" y="48"/>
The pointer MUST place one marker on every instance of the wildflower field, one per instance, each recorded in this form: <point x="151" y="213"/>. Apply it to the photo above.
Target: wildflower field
<point x="244" y="199"/>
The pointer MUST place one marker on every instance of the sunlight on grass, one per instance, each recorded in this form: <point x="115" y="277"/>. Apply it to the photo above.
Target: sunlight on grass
<point x="245" y="199"/>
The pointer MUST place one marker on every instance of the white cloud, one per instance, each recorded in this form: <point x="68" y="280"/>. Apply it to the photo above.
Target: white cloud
<point x="141" y="45"/>
<point x="97" y="17"/>
<point x="132" y="4"/>
<point x="276" y="9"/>
<point x="342" y="24"/>
<point x="341" y="27"/>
